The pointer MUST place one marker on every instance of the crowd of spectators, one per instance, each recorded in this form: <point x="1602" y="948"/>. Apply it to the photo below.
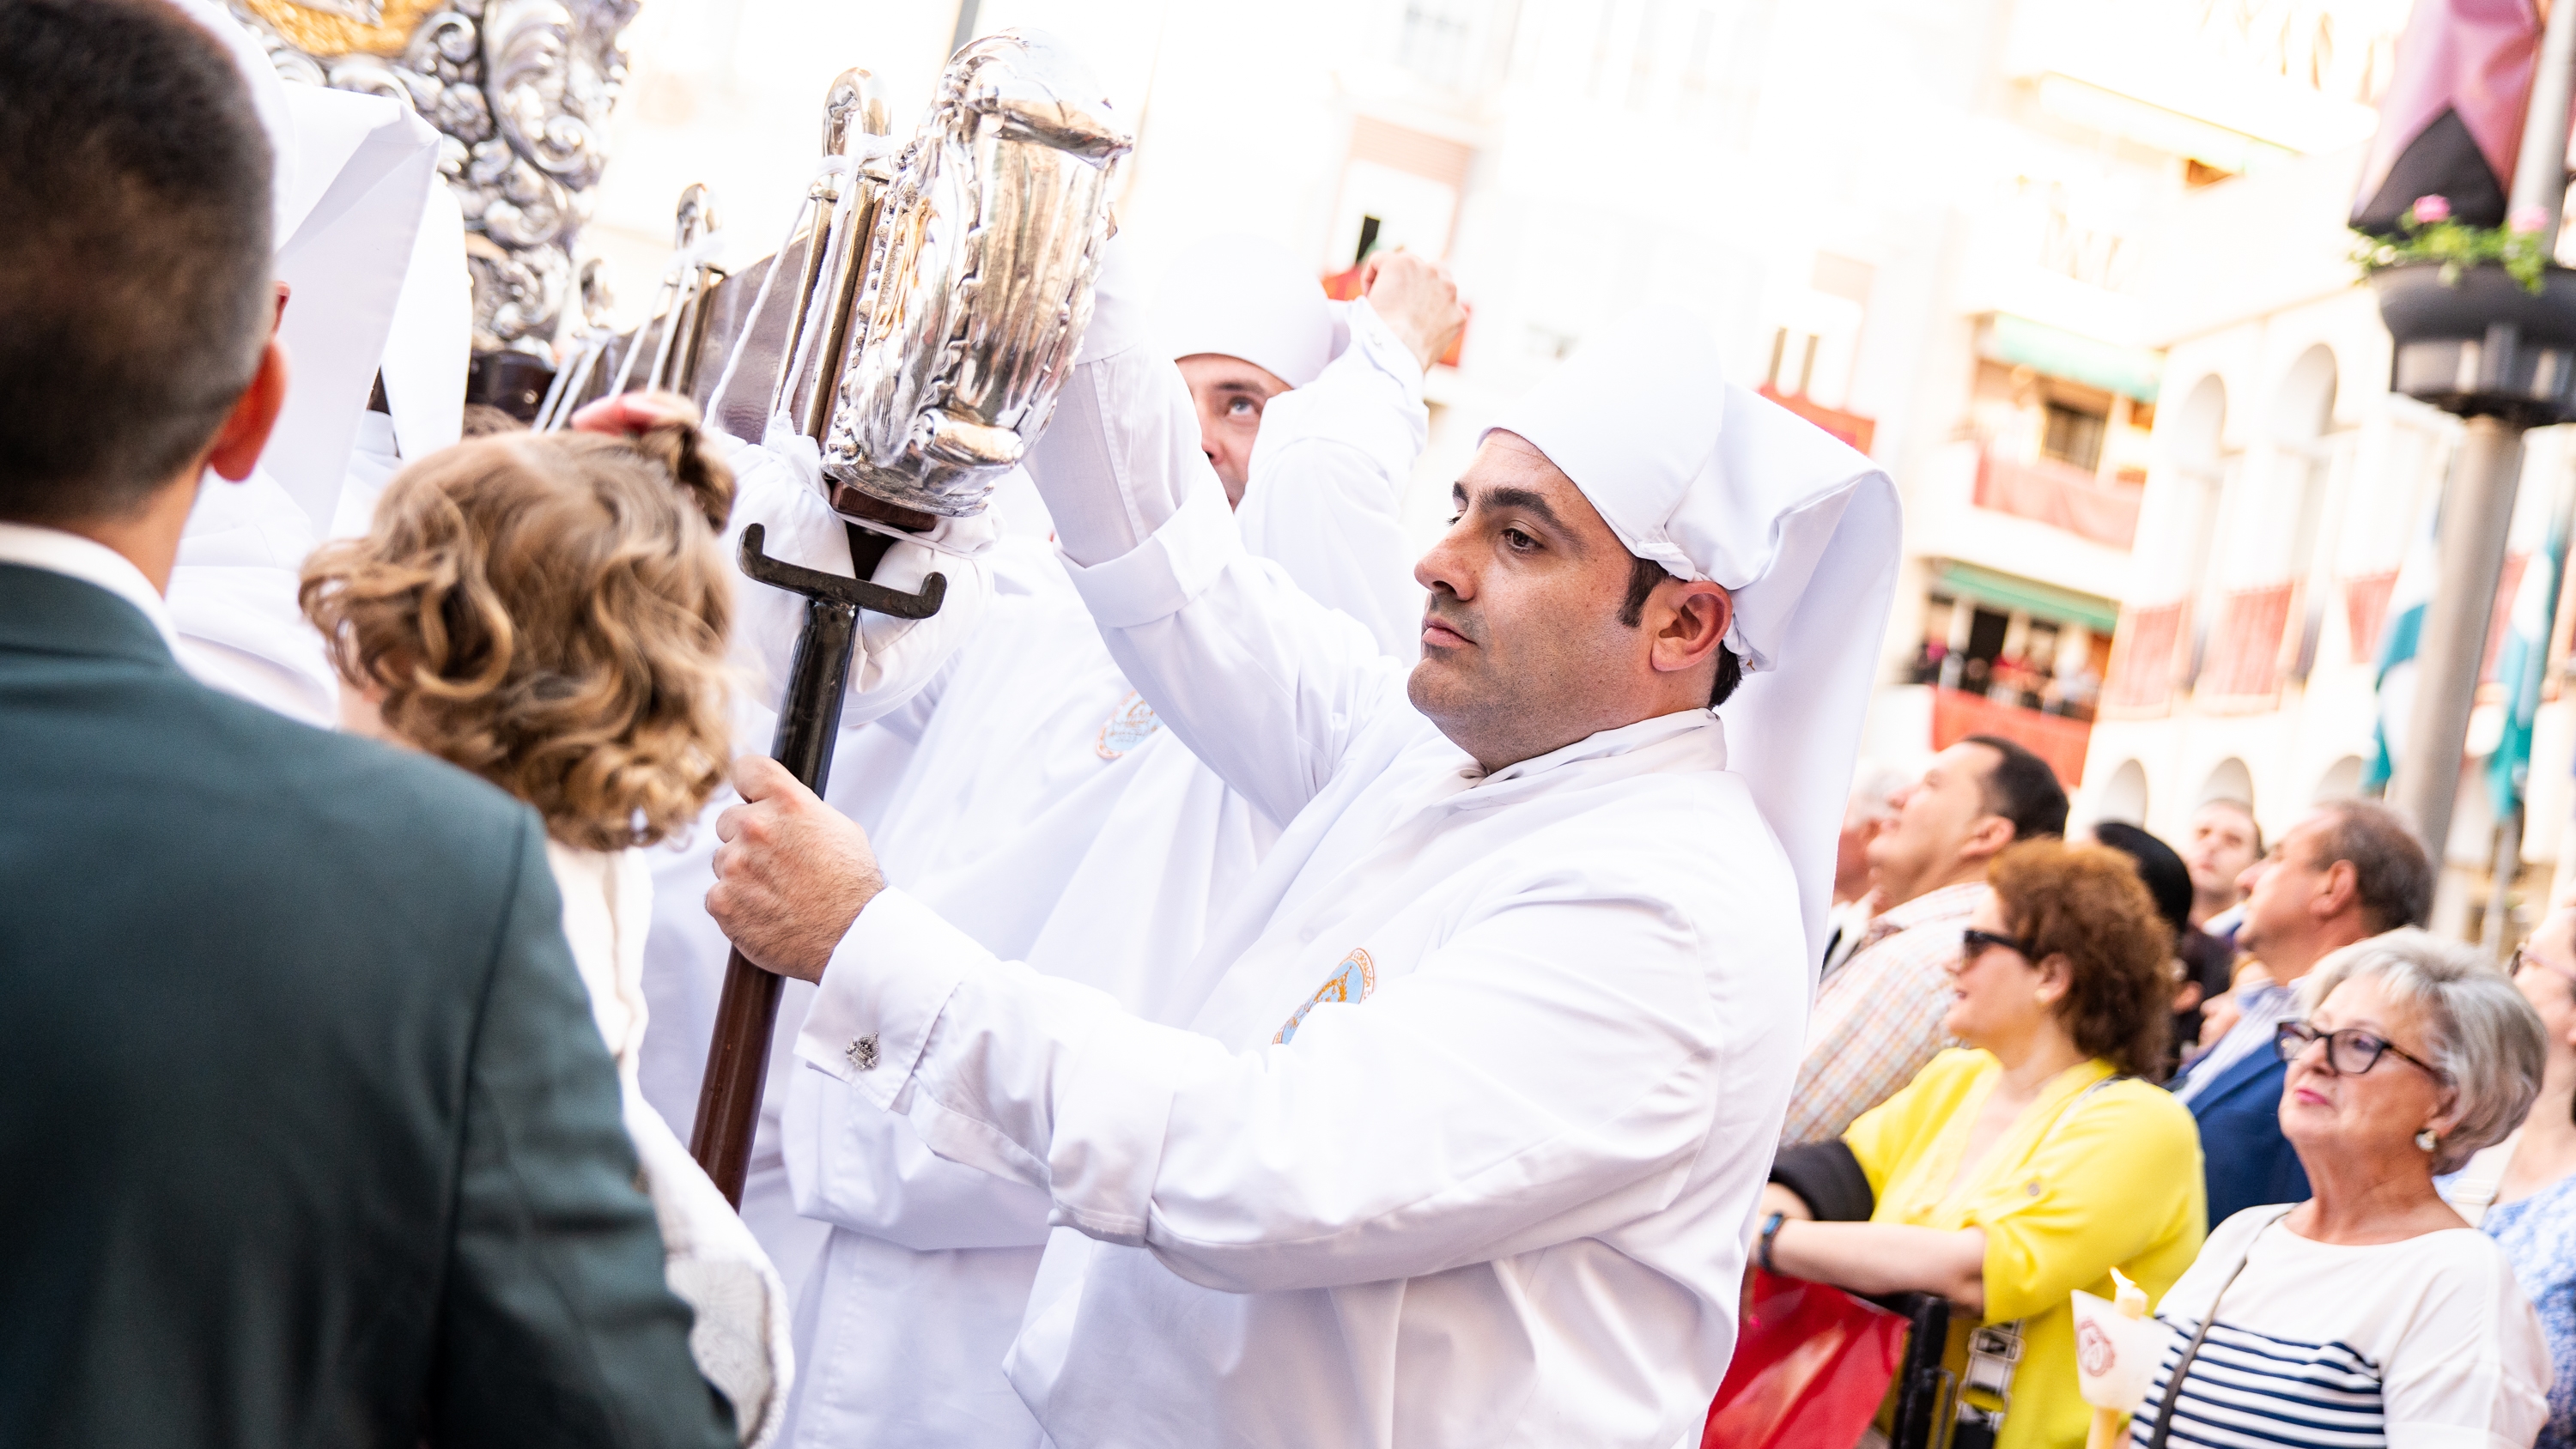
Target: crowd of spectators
<point x="2337" y="1153"/>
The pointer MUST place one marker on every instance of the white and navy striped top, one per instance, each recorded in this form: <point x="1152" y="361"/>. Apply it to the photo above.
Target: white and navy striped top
<point x="2425" y="1342"/>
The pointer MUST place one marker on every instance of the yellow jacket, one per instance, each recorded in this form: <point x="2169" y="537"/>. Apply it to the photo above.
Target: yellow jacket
<point x="2078" y="1186"/>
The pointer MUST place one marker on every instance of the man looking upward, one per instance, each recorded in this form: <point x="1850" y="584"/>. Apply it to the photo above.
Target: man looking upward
<point x="1046" y="811"/>
<point x="1878" y="1017"/>
<point x="1463" y="1146"/>
<point x="2222" y="844"/>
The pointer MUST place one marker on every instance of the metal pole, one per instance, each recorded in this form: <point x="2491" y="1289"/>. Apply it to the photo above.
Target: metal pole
<point x="2477" y="511"/>
<point x="2507" y="869"/>
<point x="2540" y="170"/>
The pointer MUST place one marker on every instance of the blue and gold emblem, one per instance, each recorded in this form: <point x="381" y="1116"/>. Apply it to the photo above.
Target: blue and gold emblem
<point x="1351" y="981"/>
<point x="1129" y="727"/>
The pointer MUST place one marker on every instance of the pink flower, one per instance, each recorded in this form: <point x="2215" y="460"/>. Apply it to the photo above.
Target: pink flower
<point x="2530" y="216"/>
<point x="2430" y="209"/>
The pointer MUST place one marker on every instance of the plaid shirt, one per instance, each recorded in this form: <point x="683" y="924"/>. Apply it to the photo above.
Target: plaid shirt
<point x="1878" y="1020"/>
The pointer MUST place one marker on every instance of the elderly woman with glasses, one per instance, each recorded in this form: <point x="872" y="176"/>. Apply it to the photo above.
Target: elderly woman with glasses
<point x="2370" y="1313"/>
<point x="2522" y="1191"/>
<point x="2026" y="1164"/>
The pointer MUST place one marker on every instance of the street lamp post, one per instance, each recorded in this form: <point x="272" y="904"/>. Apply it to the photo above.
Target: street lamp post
<point x="2504" y="359"/>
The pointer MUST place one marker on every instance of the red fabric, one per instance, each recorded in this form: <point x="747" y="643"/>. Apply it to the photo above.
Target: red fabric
<point x="2142" y="662"/>
<point x="2066" y="497"/>
<point x="2245" y="649"/>
<point x="1957" y="714"/>
<point x="1810" y="1369"/>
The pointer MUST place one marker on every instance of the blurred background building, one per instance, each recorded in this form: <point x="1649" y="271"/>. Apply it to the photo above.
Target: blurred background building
<point x="2075" y="271"/>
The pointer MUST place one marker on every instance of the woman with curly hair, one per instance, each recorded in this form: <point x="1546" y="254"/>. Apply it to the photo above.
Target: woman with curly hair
<point x="550" y="612"/>
<point x="2028" y="1162"/>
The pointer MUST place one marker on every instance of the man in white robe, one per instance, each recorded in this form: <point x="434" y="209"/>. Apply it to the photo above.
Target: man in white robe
<point x="1464" y="1146"/>
<point x="1034" y="781"/>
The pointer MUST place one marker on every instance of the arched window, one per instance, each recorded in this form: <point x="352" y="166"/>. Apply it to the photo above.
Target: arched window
<point x="2229" y="780"/>
<point x="2341" y="781"/>
<point x="2124" y="795"/>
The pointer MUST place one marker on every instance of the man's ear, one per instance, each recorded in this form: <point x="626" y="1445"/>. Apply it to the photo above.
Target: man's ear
<point x="2341" y="889"/>
<point x="244" y="435"/>
<point x="1689" y="635"/>
<point x="1987" y="838"/>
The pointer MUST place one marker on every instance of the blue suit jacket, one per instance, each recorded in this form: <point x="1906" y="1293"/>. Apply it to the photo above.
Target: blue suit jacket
<point x="2247" y="1160"/>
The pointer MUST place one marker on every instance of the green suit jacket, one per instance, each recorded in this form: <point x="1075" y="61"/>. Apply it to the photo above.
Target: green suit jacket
<point x="306" y="1134"/>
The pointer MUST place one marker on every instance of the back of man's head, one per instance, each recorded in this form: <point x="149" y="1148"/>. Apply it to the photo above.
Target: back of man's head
<point x="135" y="245"/>
<point x="2023" y="789"/>
<point x="2392" y="876"/>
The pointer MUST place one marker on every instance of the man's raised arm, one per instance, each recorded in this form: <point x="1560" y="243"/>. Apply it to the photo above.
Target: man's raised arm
<point x="1266" y="686"/>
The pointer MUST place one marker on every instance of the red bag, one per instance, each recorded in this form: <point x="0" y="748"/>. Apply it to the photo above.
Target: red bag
<point x="1810" y="1369"/>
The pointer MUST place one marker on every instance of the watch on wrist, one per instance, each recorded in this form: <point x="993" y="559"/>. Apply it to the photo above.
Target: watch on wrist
<point x="1762" y="1241"/>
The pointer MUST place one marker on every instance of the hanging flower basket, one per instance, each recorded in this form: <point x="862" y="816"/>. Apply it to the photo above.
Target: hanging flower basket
<point x="2480" y="344"/>
<point x="2483" y="321"/>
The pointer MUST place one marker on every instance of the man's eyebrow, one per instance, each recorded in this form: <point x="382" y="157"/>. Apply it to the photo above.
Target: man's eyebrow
<point x="1527" y="501"/>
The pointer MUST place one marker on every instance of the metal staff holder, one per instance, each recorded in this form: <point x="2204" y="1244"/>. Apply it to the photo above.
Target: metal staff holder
<point x="809" y="722"/>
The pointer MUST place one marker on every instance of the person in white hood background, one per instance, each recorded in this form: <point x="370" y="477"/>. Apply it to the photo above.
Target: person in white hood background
<point x="1464" y="1146"/>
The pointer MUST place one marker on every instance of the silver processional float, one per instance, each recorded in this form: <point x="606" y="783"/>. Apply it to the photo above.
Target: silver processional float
<point x="917" y="325"/>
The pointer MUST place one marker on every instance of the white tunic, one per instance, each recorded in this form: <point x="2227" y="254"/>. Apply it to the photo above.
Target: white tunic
<point x="1042" y="805"/>
<point x="740" y="1338"/>
<point x="1464" y="1146"/>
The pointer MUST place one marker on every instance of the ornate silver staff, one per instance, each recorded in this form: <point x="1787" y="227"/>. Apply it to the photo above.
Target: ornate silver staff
<point x="941" y="294"/>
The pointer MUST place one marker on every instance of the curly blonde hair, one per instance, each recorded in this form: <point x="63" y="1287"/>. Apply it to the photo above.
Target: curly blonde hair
<point x="549" y="612"/>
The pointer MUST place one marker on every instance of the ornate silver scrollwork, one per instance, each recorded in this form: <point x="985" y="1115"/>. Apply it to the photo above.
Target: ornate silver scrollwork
<point x="520" y="91"/>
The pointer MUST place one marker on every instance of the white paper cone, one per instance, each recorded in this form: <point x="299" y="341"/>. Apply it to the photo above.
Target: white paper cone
<point x="2115" y="1355"/>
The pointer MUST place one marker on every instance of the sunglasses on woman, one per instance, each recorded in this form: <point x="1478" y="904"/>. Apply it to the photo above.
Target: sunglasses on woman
<point x="1973" y="943"/>
<point x="2350" y="1052"/>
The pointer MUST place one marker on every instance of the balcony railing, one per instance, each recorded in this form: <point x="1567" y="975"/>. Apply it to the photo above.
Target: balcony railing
<point x="1957" y="714"/>
<point x="2062" y="496"/>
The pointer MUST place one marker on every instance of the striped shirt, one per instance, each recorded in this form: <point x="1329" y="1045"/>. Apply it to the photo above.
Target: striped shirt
<point x="2425" y="1341"/>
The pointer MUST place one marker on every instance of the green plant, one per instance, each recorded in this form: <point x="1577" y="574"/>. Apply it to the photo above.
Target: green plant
<point x="2428" y="234"/>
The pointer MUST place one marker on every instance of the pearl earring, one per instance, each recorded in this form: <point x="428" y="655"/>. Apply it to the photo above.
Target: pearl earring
<point x="2427" y="1140"/>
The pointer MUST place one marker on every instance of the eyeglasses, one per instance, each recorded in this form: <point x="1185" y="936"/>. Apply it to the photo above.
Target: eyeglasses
<point x="2349" y="1052"/>
<point x="1973" y="943"/>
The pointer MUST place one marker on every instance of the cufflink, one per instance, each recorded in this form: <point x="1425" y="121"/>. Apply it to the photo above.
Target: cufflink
<point x="863" y="1053"/>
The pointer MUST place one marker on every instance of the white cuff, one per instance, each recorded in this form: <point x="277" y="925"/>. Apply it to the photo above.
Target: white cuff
<point x="1378" y="343"/>
<point x="888" y="981"/>
<point x="1155" y="579"/>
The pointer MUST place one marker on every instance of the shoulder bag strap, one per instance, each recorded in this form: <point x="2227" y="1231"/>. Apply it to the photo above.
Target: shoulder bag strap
<point x="2182" y="1366"/>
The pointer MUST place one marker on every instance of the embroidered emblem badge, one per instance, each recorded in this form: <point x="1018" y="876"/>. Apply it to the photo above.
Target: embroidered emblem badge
<point x="1354" y="981"/>
<point x="1127" y="728"/>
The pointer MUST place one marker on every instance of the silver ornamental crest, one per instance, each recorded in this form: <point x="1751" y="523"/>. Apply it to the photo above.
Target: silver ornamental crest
<point x="520" y="92"/>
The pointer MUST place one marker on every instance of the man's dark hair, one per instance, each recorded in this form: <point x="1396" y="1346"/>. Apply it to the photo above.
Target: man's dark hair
<point x="2391" y="873"/>
<point x="2022" y="789"/>
<point x="2166" y="877"/>
<point x="134" y="251"/>
<point x="1643" y="575"/>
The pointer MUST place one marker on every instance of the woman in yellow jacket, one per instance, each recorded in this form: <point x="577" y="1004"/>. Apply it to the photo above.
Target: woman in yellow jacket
<point x="2028" y="1164"/>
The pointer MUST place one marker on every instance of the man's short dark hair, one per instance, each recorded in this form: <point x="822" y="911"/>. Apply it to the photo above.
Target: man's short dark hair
<point x="1643" y="575"/>
<point x="134" y="251"/>
<point x="2391" y="873"/>
<point x="2022" y="789"/>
